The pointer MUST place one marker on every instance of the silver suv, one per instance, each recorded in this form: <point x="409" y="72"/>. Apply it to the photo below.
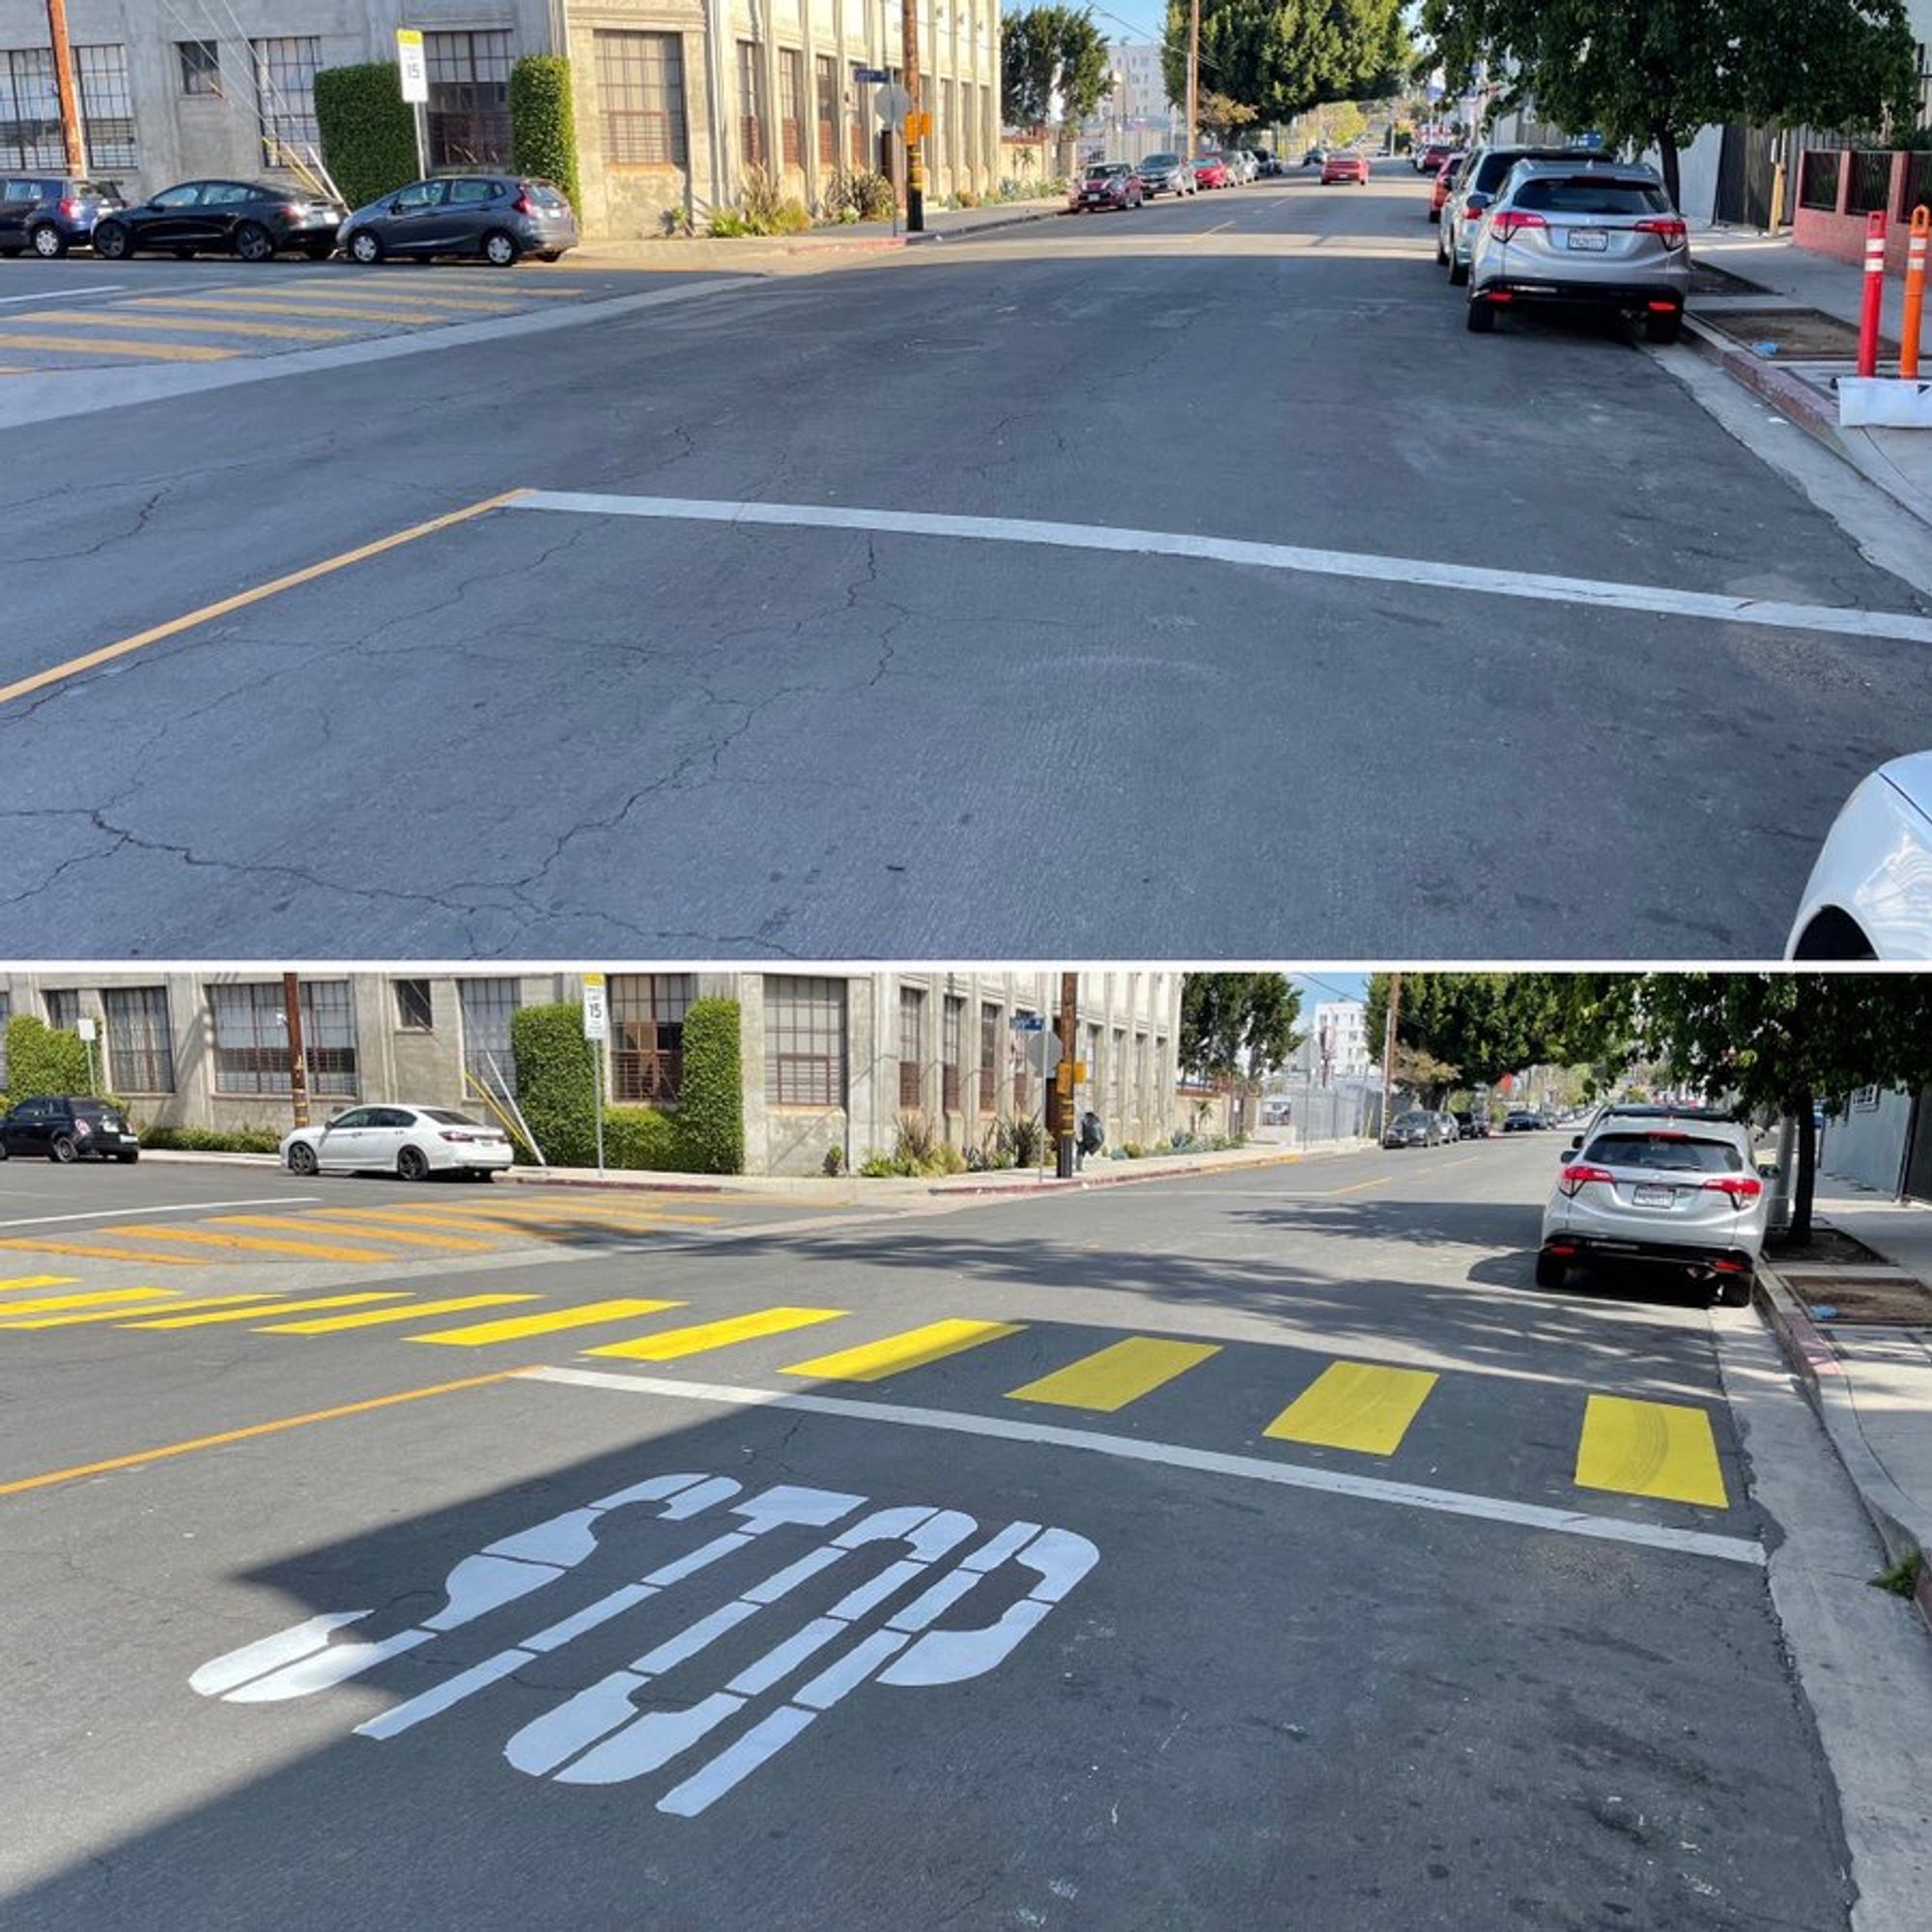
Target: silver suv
<point x="1680" y="1189"/>
<point x="1603" y="237"/>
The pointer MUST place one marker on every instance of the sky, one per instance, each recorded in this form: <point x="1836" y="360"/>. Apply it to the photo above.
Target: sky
<point x="1317" y="989"/>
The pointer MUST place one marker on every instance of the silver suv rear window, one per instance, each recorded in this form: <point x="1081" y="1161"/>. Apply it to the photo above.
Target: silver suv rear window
<point x="1668" y="1152"/>
<point x="1583" y="195"/>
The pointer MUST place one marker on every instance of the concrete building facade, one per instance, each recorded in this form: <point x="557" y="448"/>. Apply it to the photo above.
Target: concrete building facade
<point x="674" y="99"/>
<point x="831" y="1062"/>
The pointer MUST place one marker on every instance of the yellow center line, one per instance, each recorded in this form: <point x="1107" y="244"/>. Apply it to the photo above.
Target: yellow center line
<point x="140" y="1456"/>
<point x="289" y="1224"/>
<point x="117" y="345"/>
<point x="253" y="1243"/>
<point x="243" y="599"/>
<point x="189" y="325"/>
<point x="1356" y="1187"/>
<point x="255" y="1297"/>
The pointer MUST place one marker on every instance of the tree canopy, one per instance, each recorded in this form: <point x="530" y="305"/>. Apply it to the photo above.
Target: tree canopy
<point x="1238" y="1023"/>
<point x="1653" y="74"/>
<point x="1050" y="55"/>
<point x="1281" y="57"/>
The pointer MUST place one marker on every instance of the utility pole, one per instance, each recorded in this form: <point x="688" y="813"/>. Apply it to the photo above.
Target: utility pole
<point x="1388" y="1045"/>
<point x="292" y="1012"/>
<point x="71" y="136"/>
<point x="1193" y="84"/>
<point x="1062" y="1089"/>
<point x="914" y="135"/>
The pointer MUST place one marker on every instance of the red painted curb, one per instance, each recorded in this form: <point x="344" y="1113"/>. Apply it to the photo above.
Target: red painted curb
<point x="1794" y="398"/>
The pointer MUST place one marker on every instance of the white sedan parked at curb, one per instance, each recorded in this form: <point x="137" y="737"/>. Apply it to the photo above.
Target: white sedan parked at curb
<point x="1870" y="896"/>
<point x="410" y="1142"/>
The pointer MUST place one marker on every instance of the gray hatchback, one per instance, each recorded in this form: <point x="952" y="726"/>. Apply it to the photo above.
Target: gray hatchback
<point x="501" y="217"/>
<point x="1604" y="238"/>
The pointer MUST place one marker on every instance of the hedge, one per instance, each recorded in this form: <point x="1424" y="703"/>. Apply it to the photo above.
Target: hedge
<point x="710" y="1100"/>
<point x="213" y="1140"/>
<point x="543" y="135"/>
<point x="556" y="1080"/>
<point x="368" y="131"/>
<point x="39" y="1060"/>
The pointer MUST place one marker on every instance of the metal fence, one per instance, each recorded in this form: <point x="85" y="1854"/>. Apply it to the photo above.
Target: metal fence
<point x="1870" y="188"/>
<point x="1320" y="1114"/>
<point x="1818" y="183"/>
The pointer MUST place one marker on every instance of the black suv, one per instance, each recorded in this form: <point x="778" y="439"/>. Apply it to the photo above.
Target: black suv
<point x="67" y="1128"/>
<point x="49" y="214"/>
<point x="247" y="219"/>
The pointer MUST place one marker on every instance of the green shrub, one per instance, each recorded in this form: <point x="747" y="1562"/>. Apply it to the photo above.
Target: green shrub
<point x="543" y="135"/>
<point x="966" y="198"/>
<point x="886" y="1167"/>
<point x="725" y="223"/>
<point x="833" y="1163"/>
<point x="368" y="133"/>
<point x="711" y="1101"/>
<point x="914" y="1141"/>
<point x="557" y="1081"/>
<point x="211" y="1140"/>
<point x="793" y="218"/>
<point x="859" y="194"/>
<point x="641" y="1138"/>
<point x="40" y="1061"/>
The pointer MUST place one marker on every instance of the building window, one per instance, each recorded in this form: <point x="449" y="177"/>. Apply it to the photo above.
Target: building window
<point x="285" y="71"/>
<point x="648" y="1013"/>
<point x="1022" y="1083"/>
<point x="1090" y="1060"/>
<point x="826" y="76"/>
<point x="805" y="1041"/>
<point x="750" y="104"/>
<point x="862" y="140"/>
<point x="140" y="1046"/>
<point x="414" y="1011"/>
<point x="948" y="97"/>
<point x="489" y="1061"/>
<point x="199" y="67"/>
<point x="469" y="110"/>
<point x="641" y="96"/>
<point x="1866" y="1100"/>
<point x="951" y="1029"/>
<point x="251" y="1038"/>
<point x="912" y="1047"/>
<point x="1141" y="1074"/>
<point x="989" y="1058"/>
<point x="63" y="1008"/>
<point x="1116" y="1070"/>
<point x="106" y="107"/>
<point x="29" y="128"/>
<point x="791" y="106"/>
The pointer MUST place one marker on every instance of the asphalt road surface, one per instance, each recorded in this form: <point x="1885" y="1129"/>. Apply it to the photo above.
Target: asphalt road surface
<point x="1238" y="529"/>
<point x="1254" y="1550"/>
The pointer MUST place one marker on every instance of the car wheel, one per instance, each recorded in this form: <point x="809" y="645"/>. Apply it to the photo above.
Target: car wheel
<point x="112" y="242"/>
<point x="1458" y="274"/>
<point x="1734" y="1291"/>
<point x="1482" y="318"/>
<point x="1551" y="1271"/>
<point x="253" y="243"/>
<point x="366" y="247"/>
<point x="302" y="1160"/>
<point x="500" y="250"/>
<point x="412" y="1164"/>
<point x="49" y="244"/>
<point x="61" y="1150"/>
<point x="1662" y="329"/>
<point x="128" y="1159"/>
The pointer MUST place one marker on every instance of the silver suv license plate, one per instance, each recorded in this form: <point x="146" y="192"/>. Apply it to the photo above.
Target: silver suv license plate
<point x="1593" y="240"/>
<point x="1654" y="1197"/>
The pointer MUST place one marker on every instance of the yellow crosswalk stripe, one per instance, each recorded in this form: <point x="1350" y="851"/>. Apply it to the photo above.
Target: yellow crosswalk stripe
<point x="175" y="1307"/>
<point x="279" y="306"/>
<point x="96" y="1250"/>
<point x="117" y="345"/>
<point x="873" y="1361"/>
<point x="523" y="290"/>
<point x="294" y="1225"/>
<point x="18" y="1281"/>
<point x="263" y="1309"/>
<point x="1113" y="1376"/>
<point x="517" y="1328"/>
<point x="94" y="1298"/>
<point x="246" y="1243"/>
<point x="189" y="325"/>
<point x="380" y="1219"/>
<point x="456" y="1304"/>
<point x="1355" y="1405"/>
<point x="589" y="1211"/>
<point x="1650" y="1449"/>
<point x="674" y="1343"/>
<point x="435" y="300"/>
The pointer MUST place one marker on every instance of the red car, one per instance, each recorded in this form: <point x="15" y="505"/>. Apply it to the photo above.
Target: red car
<point x="1433" y="156"/>
<point x="1106" y="185"/>
<point x="1211" y="171"/>
<point x="1439" y="192"/>
<point x="1345" y="168"/>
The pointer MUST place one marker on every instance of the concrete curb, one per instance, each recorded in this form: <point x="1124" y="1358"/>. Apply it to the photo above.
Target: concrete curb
<point x="1818" y="1369"/>
<point x="1792" y="397"/>
<point x="1016" y="220"/>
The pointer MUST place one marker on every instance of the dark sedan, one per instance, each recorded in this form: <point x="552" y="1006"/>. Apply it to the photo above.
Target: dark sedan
<point x="66" y="1128"/>
<point x="501" y="217"/>
<point x="246" y="219"/>
<point x="49" y="214"/>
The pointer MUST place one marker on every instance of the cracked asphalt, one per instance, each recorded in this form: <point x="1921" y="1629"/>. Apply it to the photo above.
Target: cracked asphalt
<point x="539" y="734"/>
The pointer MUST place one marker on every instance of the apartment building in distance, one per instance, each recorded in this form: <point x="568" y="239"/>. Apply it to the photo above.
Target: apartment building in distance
<point x="830" y="1060"/>
<point x="675" y="98"/>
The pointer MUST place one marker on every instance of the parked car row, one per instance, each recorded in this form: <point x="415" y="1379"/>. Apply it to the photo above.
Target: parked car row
<point x="1420" y="1126"/>
<point x="67" y="1128"/>
<point x="1118" y="185"/>
<point x="501" y="217"/>
<point x="1561" y="228"/>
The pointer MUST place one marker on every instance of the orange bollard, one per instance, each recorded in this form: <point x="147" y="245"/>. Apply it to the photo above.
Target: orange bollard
<point x="1914" y="291"/>
<point x="1874" y="298"/>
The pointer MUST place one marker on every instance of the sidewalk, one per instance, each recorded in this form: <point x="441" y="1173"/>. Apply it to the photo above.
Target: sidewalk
<point x="1796" y="381"/>
<point x="1870" y="1381"/>
<point x="834" y="246"/>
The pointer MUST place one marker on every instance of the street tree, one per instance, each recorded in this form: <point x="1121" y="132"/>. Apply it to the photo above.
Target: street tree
<point x="1051" y="57"/>
<point x="1222" y="117"/>
<point x="1238" y="1023"/>
<point x="1482" y="1025"/>
<point x="1281" y="57"/>
<point x="1653" y="75"/>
